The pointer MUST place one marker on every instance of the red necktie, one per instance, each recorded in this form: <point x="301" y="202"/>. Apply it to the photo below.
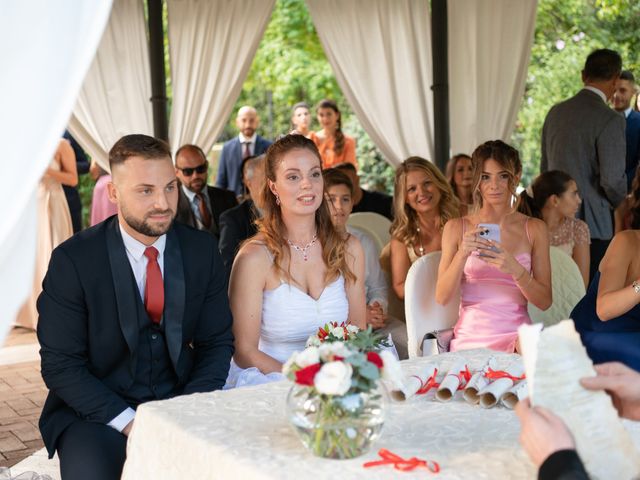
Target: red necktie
<point x="247" y="150"/>
<point x="205" y="216"/>
<point x="154" y="288"/>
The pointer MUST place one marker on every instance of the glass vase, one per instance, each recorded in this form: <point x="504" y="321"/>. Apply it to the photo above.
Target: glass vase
<point x="339" y="427"/>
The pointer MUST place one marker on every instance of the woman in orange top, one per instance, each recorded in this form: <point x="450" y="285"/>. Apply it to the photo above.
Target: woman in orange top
<point x="335" y="147"/>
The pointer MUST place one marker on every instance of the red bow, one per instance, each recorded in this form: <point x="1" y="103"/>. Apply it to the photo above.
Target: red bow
<point x="402" y="464"/>
<point x="496" y="374"/>
<point x="428" y="385"/>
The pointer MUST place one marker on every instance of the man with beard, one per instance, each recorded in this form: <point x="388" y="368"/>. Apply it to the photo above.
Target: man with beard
<point x="199" y="205"/>
<point x="246" y="144"/>
<point x="133" y="309"/>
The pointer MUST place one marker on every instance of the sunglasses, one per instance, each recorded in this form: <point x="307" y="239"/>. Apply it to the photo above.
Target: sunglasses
<point x="188" y="171"/>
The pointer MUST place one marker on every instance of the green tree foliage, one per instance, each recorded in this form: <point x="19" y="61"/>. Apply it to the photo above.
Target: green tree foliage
<point x="566" y="31"/>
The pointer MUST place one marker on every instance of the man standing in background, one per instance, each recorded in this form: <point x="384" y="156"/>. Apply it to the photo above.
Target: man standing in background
<point x="72" y="194"/>
<point x="625" y="90"/>
<point x="585" y="138"/>
<point x="247" y="144"/>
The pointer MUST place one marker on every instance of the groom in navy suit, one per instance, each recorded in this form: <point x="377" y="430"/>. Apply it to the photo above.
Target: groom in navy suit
<point x="133" y="309"/>
<point x="246" y="144"/>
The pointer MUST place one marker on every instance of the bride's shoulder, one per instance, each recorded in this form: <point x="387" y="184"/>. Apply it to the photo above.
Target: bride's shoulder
<point x="254" y="252"/>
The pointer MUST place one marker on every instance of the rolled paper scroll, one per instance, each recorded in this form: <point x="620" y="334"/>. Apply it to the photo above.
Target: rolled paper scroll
<point x="478" y="382"/>
<point x="457" y="377"/>
<point x="514" y="394"/>
<point x="490" y="395"/>
<point x="412" y="384"/>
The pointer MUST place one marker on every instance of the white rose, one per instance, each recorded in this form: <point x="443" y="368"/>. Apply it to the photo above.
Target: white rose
<point x="330" y="349"/>
<point x="391" y="369"/>
<point x="309" y="356"/>
<point x="286" y="368"/>
<point x="334" y="378"/>
<point x="337" y="332"/>
<point x="313" y="341"/>
<point x="352" y="329"/>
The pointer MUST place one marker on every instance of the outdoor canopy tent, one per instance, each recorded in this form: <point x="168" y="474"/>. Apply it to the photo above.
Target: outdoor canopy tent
<point x="386" y="74"/>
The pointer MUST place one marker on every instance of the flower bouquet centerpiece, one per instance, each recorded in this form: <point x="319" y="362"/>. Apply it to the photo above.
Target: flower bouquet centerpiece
<point x="337" y="402"/>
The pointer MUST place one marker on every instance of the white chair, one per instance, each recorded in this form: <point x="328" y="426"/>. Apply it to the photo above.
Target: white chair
<point x="376" y="225"/>
<point x="422" y="313"/>
<point x="567" y="287"/>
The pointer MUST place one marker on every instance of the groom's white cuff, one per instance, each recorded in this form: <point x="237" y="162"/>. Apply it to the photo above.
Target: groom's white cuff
<point x="123" y="419"/>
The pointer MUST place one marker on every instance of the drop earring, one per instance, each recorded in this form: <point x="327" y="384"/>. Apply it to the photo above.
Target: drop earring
<point x="277" y="199"/>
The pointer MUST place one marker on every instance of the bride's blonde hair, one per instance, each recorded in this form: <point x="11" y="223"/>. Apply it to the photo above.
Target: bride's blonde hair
<point x="271" y="225"/>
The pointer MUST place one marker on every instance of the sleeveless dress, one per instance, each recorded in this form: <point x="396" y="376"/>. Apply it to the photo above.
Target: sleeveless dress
<point x="54" y="227"/>
<point x="615" y="340"/>
<point x="289" y="317"/>
<point x="492" y="307"/>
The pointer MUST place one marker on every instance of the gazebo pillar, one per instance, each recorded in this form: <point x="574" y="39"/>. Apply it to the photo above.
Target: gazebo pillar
<point x="156" y="64"/>
<point x="440" y="88"/>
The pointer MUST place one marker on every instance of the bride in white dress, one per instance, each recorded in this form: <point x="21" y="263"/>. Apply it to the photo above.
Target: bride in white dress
<point x="297" y="273"/>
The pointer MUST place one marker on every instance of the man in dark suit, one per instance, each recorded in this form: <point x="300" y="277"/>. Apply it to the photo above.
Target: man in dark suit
<point x="583" y="137"/>
<point x="72" y="194"/>
<point x="199" y="205"/>
<point x="625" y="90"/>
<point x="133" y="309"/>
<point x="238" y="223"/>
<point x="246" y="144"/>
<point x="364" y="200"/>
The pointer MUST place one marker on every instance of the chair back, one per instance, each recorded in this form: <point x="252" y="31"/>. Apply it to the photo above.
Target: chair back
<point x="422" y="313"/>
<point x="567" y="287"/>
<point x="376" y="225"/>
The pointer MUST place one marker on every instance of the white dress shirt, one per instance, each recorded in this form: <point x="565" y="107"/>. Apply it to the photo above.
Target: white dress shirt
<point x="137" y="260"/>
<point x="598" y="92"/>
<point x="251" y="140"/>
<point x="627" y="112"/>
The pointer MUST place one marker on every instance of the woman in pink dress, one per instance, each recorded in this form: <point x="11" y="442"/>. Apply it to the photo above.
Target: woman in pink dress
<point x="496" y="277"/>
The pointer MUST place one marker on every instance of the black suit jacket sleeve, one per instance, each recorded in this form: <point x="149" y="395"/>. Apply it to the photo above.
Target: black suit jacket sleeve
<point x="213" y="339"/>
<point x="62" y="333"/>
<point x="230" y="235"/>
<point x="563" y="465"/>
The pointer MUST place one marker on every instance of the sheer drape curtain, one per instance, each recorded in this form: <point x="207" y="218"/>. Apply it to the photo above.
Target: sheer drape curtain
<point x="41" y="76"/>
<point x="212" y="44"/>
<point x="114" y="100"/>
<point x="489" y="49"/>
<point x="380" y="51"/>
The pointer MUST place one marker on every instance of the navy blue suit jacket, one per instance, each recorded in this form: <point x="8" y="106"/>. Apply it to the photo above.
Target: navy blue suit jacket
<point x="229" y="174"/>
<point x="632" y="133"/>
<point x="88" y="328"/>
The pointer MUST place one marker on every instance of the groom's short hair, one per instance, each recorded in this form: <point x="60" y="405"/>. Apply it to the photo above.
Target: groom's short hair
<point x="138" y="145"/>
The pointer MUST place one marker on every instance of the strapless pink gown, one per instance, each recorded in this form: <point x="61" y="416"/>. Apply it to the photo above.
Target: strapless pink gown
<point x="492" y="307"/>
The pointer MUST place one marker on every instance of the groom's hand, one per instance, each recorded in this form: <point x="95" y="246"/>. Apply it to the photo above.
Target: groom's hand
<point x="127" y="430"/>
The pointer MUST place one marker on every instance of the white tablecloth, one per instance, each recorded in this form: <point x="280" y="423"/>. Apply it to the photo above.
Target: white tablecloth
<point x="244" y="434"/>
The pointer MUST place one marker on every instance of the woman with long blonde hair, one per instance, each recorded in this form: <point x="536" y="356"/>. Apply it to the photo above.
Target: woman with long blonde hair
<point x="423" y="202"/>
<point x="498" y="257"/>
<point x="297" y="273"/>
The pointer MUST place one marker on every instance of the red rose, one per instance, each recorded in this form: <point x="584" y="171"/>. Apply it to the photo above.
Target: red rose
<point x="306" y="375"/>
<point x="374" y="358"/>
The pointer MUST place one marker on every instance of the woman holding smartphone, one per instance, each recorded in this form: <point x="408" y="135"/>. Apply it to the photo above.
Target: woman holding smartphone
<point x="498" y="256"/>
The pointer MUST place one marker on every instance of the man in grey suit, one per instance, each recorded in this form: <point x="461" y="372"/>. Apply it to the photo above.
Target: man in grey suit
<point x="585" y="138"/>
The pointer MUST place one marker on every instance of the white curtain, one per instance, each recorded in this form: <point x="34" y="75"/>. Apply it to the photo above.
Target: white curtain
<point x="114" y="100"/>
<point x="212" y="44"/>
<point x="489" y="49"/>
<point x="46" y="48"/>
<point x="380" y="51"/>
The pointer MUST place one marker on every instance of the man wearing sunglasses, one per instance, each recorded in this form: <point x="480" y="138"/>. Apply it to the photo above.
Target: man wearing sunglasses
<point x="199" y="205"/>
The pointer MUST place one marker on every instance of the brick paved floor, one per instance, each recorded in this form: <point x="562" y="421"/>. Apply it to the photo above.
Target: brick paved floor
<point x="22" y="394"/>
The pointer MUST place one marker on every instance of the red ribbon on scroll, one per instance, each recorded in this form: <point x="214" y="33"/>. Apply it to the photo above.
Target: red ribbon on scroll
<point x="429" y="384"/>
<point x="496" y="374"/>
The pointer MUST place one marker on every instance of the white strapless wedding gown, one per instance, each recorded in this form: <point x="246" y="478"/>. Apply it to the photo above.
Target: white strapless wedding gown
<point x="289" y="317"/>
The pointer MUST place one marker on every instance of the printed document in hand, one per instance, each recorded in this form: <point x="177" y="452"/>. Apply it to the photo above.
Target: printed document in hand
<point x="555" y="360"/>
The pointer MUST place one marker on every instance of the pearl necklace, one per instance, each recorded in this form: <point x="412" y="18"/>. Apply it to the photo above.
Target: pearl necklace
<point x="303" y="250"/>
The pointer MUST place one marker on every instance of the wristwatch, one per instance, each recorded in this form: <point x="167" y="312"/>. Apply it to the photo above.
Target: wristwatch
<point x="636" y="286"/>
